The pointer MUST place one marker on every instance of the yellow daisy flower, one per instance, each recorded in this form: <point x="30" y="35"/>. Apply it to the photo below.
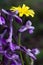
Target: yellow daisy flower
<point x="24" y="10"/>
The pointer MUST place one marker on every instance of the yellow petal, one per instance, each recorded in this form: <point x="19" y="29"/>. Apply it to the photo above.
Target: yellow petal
<point x="20" y="14"/>
<point x="24" y="10"/>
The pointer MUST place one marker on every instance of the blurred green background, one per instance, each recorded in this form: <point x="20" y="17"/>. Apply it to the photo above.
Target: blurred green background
<point x="36" y="39"/>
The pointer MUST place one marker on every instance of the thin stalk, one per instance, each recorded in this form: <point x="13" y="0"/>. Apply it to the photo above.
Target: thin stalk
<point x="27" y="60"/>
<point x="32" y="61"/>
<point x="19" y="42"/>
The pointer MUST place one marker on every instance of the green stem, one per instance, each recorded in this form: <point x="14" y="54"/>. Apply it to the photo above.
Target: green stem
<point x="1" y="57"/>
<point x="27" y="60"/>
<point x="32" y="61"/>
<point x="19" y="42"/>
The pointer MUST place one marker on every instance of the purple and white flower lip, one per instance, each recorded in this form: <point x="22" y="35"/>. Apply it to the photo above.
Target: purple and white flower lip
<point x="2" y="20"/>
<point x="35" y="51"/>
<point x="27" y="27"/>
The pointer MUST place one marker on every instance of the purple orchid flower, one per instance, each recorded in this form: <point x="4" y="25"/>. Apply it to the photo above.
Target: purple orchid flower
<point x="32" y="53"/>
<point x="13" y="14"/>
<point x="27" y="27"/>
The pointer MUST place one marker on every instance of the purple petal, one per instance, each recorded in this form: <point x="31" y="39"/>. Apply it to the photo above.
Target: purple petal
<point x="30" y="31"/>
<point x="35" y="51"/>
<point x="13" y="14"/>
<point x="15" y="63"/>
<point x="12" y="57"/>
<point x="3" y="41"/>
<point x="4" y="11"/>
<point x="29" y="23"/>
<point x="15" y="56"/>
<point x="2" y="20"/>
<point x="30" y="54"/>
<point x="14" y="47"/>
<point x="22" y="48"/>
<point x="7" y="55"/>
<point x="8" y="12"/>
<point x="18" y="19"/>
<point x="1" y="51"/>
<point x="10" y="33"/>
<point x="22" y="29"/>
<point x="31" y="27"/>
